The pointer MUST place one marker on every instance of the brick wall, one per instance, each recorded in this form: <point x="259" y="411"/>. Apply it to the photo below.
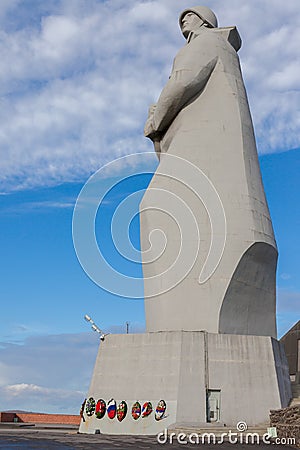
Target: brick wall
<point x="7" y="417"/>
<point x="64" y="419"/>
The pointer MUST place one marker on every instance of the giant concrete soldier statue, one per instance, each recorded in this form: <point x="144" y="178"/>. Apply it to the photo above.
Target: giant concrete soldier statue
<point x="209" y="261"/>
<point x="202" y="116"/>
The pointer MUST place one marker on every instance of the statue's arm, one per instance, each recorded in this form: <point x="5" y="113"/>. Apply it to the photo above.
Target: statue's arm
<point x="182" y="87"/>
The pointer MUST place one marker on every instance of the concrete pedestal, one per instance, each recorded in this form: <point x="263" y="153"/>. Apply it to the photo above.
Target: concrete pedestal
<point x="249" y="374"/>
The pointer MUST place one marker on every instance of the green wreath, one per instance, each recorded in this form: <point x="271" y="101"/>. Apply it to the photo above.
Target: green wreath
<point x="90" y="406"/>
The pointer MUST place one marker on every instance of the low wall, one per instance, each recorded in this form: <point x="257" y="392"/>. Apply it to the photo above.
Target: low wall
<point x="287" y="422"/>
<point x="7" y="417"/>
<point x="63" y="419"/>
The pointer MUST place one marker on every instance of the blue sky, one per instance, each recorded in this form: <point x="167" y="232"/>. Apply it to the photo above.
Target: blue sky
<point x="76" y="80"/>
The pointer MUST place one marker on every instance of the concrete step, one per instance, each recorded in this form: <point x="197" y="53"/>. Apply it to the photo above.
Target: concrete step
<point x="295" y="401"/>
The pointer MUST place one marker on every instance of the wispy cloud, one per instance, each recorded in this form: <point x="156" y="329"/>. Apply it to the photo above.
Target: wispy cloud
<point x="38" y="206"/>
<point x="285" y="276"/>
<point x="50" y="373"/>
<point x="42" y="398"/>
<point x="50" y="204"/>
<point x="76" y="79"/>
<point x="47" y="373"/>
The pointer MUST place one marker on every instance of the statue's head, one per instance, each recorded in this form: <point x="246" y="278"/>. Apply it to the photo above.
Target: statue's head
<point x="192" y="19"/>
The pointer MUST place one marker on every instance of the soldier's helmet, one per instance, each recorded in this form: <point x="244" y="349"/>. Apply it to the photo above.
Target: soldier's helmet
<point x="204" y="13"/>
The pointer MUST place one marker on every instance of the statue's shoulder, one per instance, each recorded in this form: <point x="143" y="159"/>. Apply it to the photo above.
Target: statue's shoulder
<point x="213" y="35"/>
<point x="230" y="35"/>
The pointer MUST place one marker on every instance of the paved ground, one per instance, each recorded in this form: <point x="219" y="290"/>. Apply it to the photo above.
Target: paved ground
<point x="30" y="439"/>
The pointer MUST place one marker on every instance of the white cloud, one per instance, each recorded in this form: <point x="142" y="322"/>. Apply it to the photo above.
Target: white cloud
<point x="50" y="373"/>
<point x="31" y="397"/>
<point x="76" y="79"/>
<point x="47" y="373"/>
<point x="285" y="276"/>
<point x="30" y="207"/>
<point x="16" y="389"/>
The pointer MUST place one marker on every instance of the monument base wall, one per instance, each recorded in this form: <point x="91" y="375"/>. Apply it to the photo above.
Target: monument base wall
<point x="248" y="374"/>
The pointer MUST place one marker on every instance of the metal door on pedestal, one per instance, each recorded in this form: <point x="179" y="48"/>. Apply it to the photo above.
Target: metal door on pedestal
<point x="213" y="401"/>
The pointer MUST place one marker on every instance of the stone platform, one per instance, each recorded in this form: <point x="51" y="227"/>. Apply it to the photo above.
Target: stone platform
<point x="248" y="373"/>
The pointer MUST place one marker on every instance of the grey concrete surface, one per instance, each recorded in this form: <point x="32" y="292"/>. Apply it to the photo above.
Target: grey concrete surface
<point x="43" y="440"/>
<point x="179" y="366"/>
<point x="202" y="116"/>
